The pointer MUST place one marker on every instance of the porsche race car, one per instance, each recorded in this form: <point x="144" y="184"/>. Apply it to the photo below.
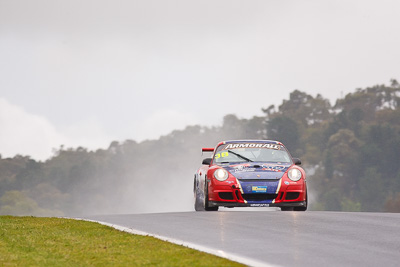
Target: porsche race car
<point x="250" y="173"/>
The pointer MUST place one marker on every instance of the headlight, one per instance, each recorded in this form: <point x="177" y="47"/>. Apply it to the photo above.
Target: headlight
<point x="221" y="174"/>
<point x="294" y="174"/>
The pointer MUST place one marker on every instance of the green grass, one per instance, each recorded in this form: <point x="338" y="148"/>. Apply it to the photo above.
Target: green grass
<point x="33" y="241"/>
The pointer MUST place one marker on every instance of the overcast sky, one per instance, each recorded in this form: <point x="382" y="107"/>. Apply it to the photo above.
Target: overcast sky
<point x="85" y="73"/>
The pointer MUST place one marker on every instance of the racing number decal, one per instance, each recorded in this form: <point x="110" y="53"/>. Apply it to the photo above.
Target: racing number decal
<point x="221" y="155"/>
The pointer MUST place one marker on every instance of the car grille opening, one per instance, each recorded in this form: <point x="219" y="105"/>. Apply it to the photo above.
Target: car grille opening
<point x="225" y="195"/>
<point x="259" y="197"/>
<point x="237" y="194"/>
<point x="292" y="195"/>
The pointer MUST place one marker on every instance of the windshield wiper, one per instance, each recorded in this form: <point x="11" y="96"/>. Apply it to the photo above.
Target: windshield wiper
<point x="240" y="156"/>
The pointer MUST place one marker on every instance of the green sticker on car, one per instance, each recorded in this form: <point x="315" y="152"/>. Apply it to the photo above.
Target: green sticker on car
<point x="259" y="189"/>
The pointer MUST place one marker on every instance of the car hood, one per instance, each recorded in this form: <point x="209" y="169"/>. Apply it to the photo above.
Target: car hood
<point x="257" y="170"/>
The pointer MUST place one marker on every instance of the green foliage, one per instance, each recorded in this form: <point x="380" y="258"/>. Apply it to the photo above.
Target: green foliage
<point x="350" y="152"/>
<point x="332" y="199"/>
<point x="284" y="129"/>
<point x="305" y="109"/>
<point x="350" y="205"/>
<point x="393" y="203"/>
<point x="352" y="148"/>
<point x="372" y="189"/>
<point x="17" y="203"/>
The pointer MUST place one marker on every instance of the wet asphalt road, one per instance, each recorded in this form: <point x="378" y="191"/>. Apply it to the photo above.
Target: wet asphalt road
<point x="281" y="238"/>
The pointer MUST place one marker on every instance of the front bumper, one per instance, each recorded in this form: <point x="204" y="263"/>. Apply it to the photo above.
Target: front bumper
<point x="276" y="193"/>
<point x="239" y="204"/>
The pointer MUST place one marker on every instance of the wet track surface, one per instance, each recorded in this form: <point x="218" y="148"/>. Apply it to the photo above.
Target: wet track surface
<point x="281" y="238"/>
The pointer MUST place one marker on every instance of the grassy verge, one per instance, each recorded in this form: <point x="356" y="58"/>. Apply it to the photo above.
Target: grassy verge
<point x="32" y="241"/>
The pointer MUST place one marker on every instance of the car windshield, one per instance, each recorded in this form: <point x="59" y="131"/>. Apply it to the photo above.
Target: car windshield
<point x="249" y="152"/>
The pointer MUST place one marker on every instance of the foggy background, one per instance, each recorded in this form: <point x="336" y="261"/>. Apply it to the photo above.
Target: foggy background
<point x="85" y="73"/>
<point x="77" y="75"/>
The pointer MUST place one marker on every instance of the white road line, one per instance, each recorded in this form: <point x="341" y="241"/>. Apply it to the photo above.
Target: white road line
<point x="220" y="253"/>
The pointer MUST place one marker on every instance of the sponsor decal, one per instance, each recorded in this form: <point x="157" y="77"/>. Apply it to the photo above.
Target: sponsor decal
<point x="238" y="165"/>
<point x="274" y="168"/>
<point x="259" y="205"/>
<point x="259" y="189"/>
<point x="250" y="168"/>
<point x="243" y="168"/>
<point x="286" y="183"/>
<point x="221" y="155"/>
<point x="251" y="145"/>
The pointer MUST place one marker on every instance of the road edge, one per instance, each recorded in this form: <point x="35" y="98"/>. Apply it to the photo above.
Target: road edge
<point x="219" y="253"/>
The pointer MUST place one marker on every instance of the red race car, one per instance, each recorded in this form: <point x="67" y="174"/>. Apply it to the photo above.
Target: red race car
<point x="250" y="173"/>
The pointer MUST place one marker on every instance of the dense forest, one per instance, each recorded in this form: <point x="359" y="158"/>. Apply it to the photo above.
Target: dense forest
<point x="350" y="151"/>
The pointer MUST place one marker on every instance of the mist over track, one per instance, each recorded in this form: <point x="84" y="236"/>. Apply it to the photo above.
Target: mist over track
<point x="280" y="238"/>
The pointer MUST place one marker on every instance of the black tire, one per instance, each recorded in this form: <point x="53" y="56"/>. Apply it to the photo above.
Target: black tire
<point x="198" y="204"/>
<point x="206" y="207"/>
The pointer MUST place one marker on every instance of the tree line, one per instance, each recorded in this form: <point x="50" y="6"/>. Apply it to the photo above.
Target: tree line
<point x="350" y="151"/>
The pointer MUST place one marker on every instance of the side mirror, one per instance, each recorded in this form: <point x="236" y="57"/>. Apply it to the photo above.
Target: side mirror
<point x="207" y="161"/>
<point x="296" y="161"/>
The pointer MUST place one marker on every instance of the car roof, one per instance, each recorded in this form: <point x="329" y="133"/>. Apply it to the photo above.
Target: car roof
<point x="252" y="141"/>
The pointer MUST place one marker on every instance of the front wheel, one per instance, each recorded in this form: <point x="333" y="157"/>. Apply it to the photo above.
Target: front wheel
<point x="198" y="204"/>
